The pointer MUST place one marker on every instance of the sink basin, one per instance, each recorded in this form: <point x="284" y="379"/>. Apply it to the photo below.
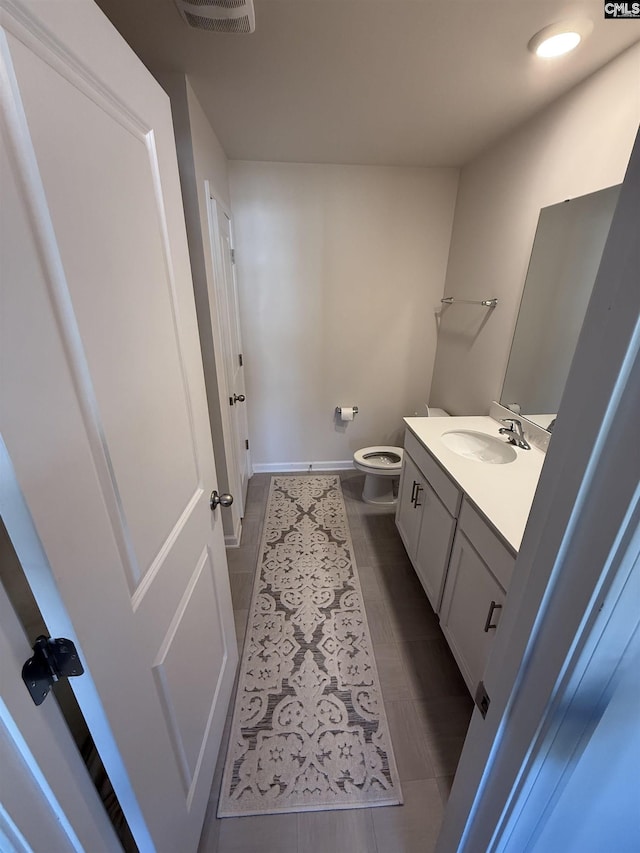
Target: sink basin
<point x="479" y="446"/>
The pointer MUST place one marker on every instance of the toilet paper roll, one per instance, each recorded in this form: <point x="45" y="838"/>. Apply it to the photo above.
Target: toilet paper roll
<point x="346" y="413"/>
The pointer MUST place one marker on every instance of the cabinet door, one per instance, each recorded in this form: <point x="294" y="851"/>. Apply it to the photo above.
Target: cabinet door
<point x="434" y="544"/>
<point x="408" y="515"/>
<point x="471" y="594"/>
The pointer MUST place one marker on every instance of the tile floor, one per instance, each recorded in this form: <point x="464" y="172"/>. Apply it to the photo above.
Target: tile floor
<point x="427" y="702"/>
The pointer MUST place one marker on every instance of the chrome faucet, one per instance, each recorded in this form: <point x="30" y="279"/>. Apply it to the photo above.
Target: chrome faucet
<point x="515" y="433"/>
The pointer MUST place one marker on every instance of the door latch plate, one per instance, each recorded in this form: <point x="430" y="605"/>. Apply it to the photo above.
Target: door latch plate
<point x="52" y="660"/>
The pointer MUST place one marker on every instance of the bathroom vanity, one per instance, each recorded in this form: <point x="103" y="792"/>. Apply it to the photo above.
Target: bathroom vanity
<point x="464" y="500"/>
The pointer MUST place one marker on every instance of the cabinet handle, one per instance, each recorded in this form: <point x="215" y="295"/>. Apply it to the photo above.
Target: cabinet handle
<point x="418" y="490"/>
<point x="492" y="607"/>
<point x="413" y="492"/>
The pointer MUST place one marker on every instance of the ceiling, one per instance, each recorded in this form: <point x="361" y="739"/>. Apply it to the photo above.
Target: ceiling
<point x="383" y="82"/>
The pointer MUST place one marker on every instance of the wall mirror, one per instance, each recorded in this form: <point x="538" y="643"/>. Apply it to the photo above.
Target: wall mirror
<point x="566" y="254"/>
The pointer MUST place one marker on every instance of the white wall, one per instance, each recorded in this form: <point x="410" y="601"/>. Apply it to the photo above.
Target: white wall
<point x="340" y="268"/>
<point x="210" y="161"/>
<point x="579" y="144"/>
<point x="201" y="158"/>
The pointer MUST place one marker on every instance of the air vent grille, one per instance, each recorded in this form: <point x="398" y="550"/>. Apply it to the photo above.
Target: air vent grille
<point x="221" y="16"/>
<point x="220" y="25"/>
<point x="222" y="4"/>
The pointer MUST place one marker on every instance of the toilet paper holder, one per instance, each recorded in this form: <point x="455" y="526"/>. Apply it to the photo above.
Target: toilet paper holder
<point x="339" y="410"/>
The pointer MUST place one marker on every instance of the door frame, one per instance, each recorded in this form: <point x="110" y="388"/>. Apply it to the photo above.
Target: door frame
<point x="233" y="320"/>
<point x="220" y="320"/>
<point x="39" y="575"/>
<point x="44" y="760"/>
<point x="45" y="787"/>
<point x="565" y="610"/>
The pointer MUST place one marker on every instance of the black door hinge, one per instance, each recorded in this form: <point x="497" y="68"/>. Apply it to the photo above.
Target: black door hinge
<point x="240" y="358"/>
<point x="51" y="661"/>
<point x="246" y="443"/>
<point x="482" y="699"/>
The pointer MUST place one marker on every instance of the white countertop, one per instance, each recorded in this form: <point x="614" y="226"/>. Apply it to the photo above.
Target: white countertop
<point x="502" y="493"/>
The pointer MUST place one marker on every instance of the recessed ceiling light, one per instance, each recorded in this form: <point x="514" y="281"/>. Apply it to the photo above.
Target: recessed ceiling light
<point x="560" y="38"/>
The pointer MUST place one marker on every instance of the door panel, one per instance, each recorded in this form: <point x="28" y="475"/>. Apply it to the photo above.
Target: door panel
<point x="189" y="706"/>
<point x="104" y="410"/>
<point x="127" y="318"/>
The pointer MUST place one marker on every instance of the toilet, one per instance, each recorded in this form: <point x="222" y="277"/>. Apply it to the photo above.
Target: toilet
<point x="382" y="466"/>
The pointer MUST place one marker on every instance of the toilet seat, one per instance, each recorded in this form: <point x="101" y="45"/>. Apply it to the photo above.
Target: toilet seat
<point x="384" y="460"/>
<point x="382" y="466"/>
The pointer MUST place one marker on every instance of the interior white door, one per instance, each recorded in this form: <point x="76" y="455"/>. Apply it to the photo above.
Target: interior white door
<point x="47" y="800"/>
<point x="103" y="406"/>
<point x="234" y="359"/>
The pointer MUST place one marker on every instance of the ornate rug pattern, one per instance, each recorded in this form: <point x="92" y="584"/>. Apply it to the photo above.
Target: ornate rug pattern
<point x="309" y="730"/>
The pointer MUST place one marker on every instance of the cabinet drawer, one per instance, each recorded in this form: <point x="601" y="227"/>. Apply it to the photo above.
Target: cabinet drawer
<point x="492" y="550"/>
<point x="446" y="489"/>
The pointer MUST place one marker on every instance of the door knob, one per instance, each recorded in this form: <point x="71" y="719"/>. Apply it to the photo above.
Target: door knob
<point x="239" y="398"/>
<point x="223" y="500"/>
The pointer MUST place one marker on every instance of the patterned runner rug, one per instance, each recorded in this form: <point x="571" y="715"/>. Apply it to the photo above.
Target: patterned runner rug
<point x="309" y="730"/>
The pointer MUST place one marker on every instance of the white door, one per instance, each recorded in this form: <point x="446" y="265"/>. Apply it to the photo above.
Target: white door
<point x="234" y="357"/>
<point x="47" y="799"/>
<point x="104" y="413"/>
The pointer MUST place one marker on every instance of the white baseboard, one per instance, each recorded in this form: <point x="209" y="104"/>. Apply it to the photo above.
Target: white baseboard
<point x="285" y="467"/>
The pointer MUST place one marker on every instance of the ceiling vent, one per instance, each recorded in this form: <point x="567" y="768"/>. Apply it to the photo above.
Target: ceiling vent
<point x="219" y="16"/>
